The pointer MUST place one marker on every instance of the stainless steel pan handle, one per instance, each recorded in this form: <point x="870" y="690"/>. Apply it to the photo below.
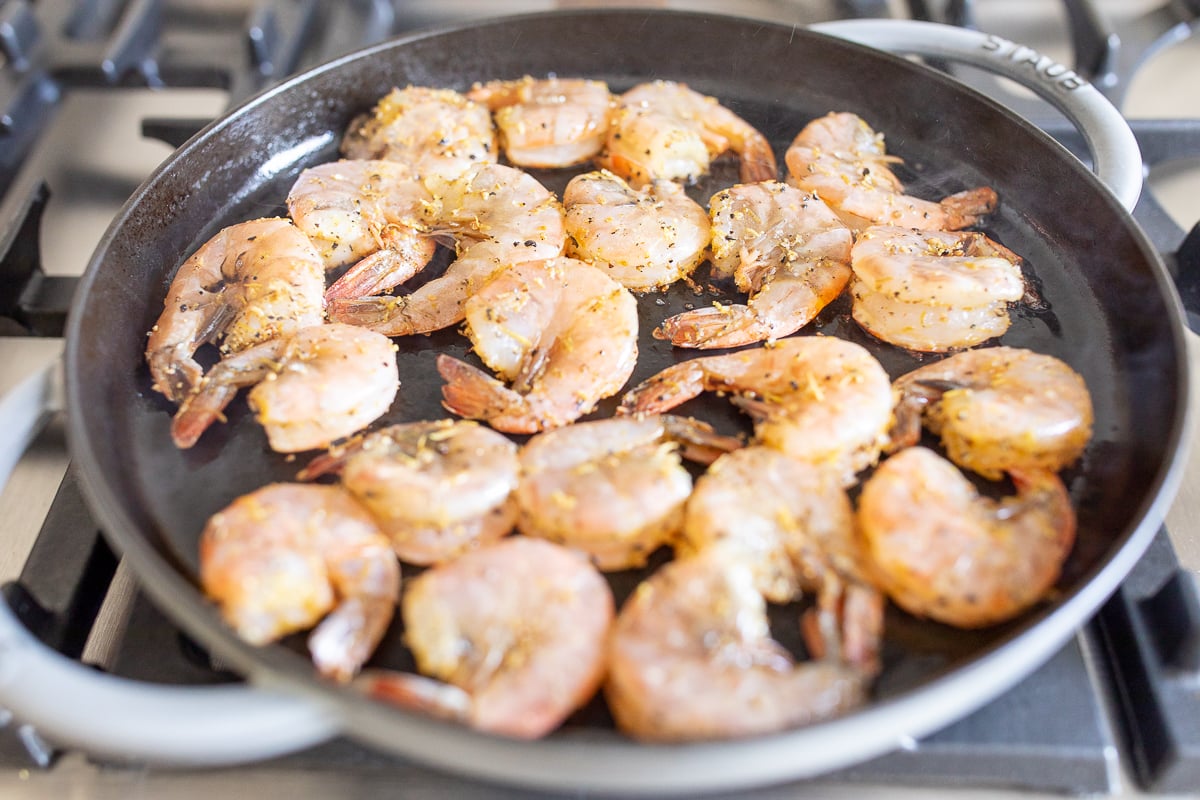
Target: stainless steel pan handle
<point x="71" y="704"/>
<point x="1115" y="152"/>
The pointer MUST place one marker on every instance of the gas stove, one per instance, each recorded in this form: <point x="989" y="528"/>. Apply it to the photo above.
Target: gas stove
<point x="94" y="93"/>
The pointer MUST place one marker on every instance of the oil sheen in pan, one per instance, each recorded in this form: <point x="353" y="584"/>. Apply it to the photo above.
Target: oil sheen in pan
<point x="913" y="649"/>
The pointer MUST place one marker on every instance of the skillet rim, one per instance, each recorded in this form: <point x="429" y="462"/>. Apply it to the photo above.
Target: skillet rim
<point x="276" y="667"/>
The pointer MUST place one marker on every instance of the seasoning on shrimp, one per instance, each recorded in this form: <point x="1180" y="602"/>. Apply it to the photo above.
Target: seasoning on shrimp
<point x="288" y="556"/>
<point x="822" y="400"/>
<point x="643" y="239"/>
<point x="548" y="122"/>
<point x="561" y="335"/>
<point x="312" y="388"/>
<point x="996" y="409"/>
<point x="663" y="129"/>
<point x="613" y="488"/>
<point x="433" y="131"/>
<point x="796" y="527"/>
<point x="933" y="291"/>
<point x="943" y="551"/>
<point x="251" y="282"/>
<point x="497" y="216"/>
<point x="437" y="489"/>
<point x="509" y="638"/>
<point x="783" y="247"/>
<point x="841" y="159"/>
<point x="366" y="215"/>
<point x="691" y="658"/>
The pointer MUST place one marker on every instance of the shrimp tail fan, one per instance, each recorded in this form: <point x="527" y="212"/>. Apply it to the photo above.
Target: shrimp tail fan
<point x="471" y="393"/>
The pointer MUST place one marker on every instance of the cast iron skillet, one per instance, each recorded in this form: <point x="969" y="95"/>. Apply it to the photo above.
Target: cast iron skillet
<point x="1108" y="310"/>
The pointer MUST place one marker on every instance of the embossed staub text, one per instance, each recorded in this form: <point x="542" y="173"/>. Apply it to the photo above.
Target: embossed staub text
<point x="1043" y="66"/>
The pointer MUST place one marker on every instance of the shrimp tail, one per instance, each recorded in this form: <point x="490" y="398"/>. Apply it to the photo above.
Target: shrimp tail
<point x="660" y="393"/>
<point x="916" y="397"/>
<point x="634" y="172"/>
<point x="1041" y="493"/>
<point x="714" y="327"/>
<point x="403" y="257"/>
<point x="176" y="374"/>
<point x="416" y="693"/>
<point x="757" y="161"/>
<point x="385" y="314"/>
<point x="698" y="441"/>
<point x="846" y="625"/>
<point x="331" y="461"/>
<point x="217" y="389"/>
<point x="757" y="409"/>
<point x="966" y="208"/>
<point x="498" y="94"/>
<point x="345" y="639"/>
<point x="473" y="394"/>
<point x="200" y="410"/>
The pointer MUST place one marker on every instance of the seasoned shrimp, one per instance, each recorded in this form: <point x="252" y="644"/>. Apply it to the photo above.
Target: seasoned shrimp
<point x="434" y="131"/>
<point x="551" y="122"/>
<point x="822" y="400"/>
<point x="498" y="216"/>
<point x="796" y="526"/>
<point x="613" y="488"/>
<point x="251" y="282"/>
<point x="691" y="658"/>
<point x="311" y="388"/>
<point x="998" y="409"/>
<point x="933" y="291"/>
<point x="663" y="129"/>
<point x="286" y="556"/>
<point x="437" y="489"/>
<point x="511" y="637"/>
<point x="366" y="214"/>
<point x="841" y="159"/>
<point x="644" y="239"/>
<point x="943" y="551"/>
<point x="785" y="248"/>
<point x="561" y="334"/>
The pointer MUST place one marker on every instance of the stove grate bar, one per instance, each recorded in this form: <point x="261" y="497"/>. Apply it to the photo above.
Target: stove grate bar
<point x="1150" y="629"/>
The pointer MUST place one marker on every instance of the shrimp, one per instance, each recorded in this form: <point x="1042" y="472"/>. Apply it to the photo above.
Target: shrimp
<point x="664" y="129"/>
<point x="250" y="283"/>
<point x="998" y="409"/>
<point x="287" y="556"/>
<point x="366" y="214"/>
<point x="437" y="489"/>
<point x="797" y="528"/>
<point x="498" y="216"/>
<point x="821" y="400"/>
<point x="613" y="488"/>
<point x="785" y="248"/>
<point x="434" y="131"/>
<point x="841" y="159"/>
<point x="551" y="122"/>
<point x="311" y="388"/>
<point x="933" y="291"/>
<point x="691" y="658"/>
<point x="511" y="637"/>
<point x="943" y="551"/>
<point x="562" y="334"/>
<point x="644" y="239"/>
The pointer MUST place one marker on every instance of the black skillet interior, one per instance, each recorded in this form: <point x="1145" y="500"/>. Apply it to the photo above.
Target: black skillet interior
<point x="1106" y="309"/>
